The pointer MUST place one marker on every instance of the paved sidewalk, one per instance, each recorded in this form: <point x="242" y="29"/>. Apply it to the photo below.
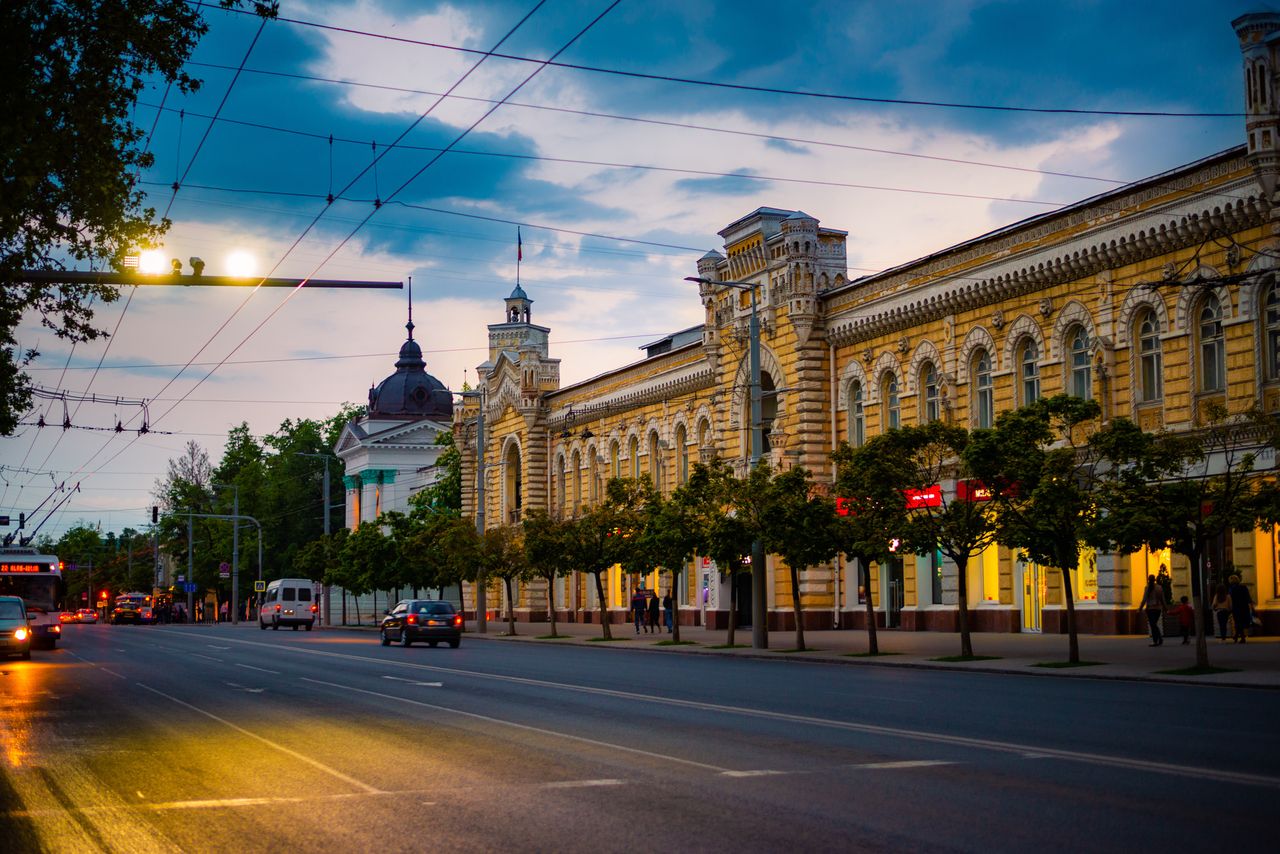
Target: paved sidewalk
<point x="1255" y="664"/>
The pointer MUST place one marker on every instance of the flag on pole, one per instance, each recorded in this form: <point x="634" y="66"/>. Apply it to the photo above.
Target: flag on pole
<point x="519" y="245"/>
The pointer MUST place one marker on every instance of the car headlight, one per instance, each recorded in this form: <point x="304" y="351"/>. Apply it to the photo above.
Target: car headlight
<point x="20" y="634"/>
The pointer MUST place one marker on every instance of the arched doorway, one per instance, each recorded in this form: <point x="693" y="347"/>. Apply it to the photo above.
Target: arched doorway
<point x="512" y="481"/>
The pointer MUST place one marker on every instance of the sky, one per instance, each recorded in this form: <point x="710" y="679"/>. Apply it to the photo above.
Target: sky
<point x="606" y="243"/>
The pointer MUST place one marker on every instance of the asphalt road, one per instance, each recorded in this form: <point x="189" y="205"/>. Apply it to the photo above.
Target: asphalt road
<point x="218" y="738"/>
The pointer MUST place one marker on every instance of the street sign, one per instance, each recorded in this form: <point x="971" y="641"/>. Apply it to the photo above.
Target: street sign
<point x="224" y="570"/>
<point x="4" y="520"/>
<point x="189" y="587"/>
<point x="182" y="578"/>
<point x="259" y="586"/>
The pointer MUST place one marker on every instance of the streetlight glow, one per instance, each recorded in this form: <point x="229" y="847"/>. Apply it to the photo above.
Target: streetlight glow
<point x="153" y="263"/>
<point x="241" y="265"/>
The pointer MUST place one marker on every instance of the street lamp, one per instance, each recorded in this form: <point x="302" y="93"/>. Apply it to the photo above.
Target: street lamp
<point x="235" y="549"/>
<point x="759" y="609"/>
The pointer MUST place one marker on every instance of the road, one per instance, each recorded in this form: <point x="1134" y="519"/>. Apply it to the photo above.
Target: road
<point x="217" y="738"/>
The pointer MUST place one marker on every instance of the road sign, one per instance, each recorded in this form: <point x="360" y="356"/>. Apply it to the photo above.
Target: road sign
<point x="259" y="586"/>
<point x="4" y="520"/>
<point x="224" y="570"/>
<point x="182" y="578"/>
<point x="189" y="587"/>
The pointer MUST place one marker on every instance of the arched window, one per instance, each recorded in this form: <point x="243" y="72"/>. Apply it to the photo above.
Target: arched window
<point x="633" y="451"/>
<point x="704" y="435"/>
<point x="929" y="387"/>
<point x="1080" y="382"/>
<point x="1028" y="372"/>
<point x="768" y="410"/>
<point x="615" y="460"/>
<point x="857" y="420"/>
<point x="892" y="414"/>
<point x="593" y="474"/>
<point x="1213" y="367"/>
<point x="682" y="455"/>
<point x="655" y="461"/>
<point x="984" y="398"/>
<point x="575" y="473"/>
<point x="1150" y="370"/>
<point x="562" y="494"/>
<point x="1271" y="335"/>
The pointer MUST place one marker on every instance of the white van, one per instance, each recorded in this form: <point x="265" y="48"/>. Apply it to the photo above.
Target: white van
<point x="288" y="602"/>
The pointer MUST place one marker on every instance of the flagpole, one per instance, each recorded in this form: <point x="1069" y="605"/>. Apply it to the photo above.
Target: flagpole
<point x="519" y="253"/>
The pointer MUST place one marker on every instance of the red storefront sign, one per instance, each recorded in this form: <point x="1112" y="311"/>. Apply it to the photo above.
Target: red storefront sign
<point x="930" y="496"/>
<point x="973" y="490"/>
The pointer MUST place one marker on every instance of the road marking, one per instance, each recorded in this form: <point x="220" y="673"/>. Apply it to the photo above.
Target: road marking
<point x="205" y="657"/>
<point x="905" y="763"/>
<point x="759" y="773"/>
<point x="280" y="747"/>
<point x="112" y="672"/>
<point x="579" y="784"/>
<point x="415" y="682"/>
<point x="243" y="688"/>
<point x="1168" y="768"/>
<point x="526" y="727"/>
<point x="215" y="646"/>
<point x="262" y="669"/>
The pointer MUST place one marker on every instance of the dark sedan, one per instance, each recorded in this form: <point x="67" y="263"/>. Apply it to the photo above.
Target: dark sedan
<point x="422" y="620"/>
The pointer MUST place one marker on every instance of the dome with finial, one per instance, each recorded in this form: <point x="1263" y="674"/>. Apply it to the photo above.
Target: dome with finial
<point x="411" y="391"/>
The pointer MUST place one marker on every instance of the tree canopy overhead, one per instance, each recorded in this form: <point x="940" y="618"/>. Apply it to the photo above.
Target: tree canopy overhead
<point x="71" y="155"/>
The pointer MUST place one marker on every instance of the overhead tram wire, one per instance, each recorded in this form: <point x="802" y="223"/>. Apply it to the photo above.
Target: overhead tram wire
<point x="405" y="184"/>
<point x="767" y="137"/>
<point x="295" y="244"/>
<point x="770" y="90"/>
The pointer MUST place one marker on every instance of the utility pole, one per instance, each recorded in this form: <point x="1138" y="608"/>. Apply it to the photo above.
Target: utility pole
<point x="190" y="570"/>
<point x="482" y="603"/>
<point x="324" y="590"/>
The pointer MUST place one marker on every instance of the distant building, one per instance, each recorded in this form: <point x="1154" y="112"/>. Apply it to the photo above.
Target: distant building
<point x="1156" y="299"/>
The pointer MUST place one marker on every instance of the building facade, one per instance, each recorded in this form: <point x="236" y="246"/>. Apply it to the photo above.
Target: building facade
<point x="1156" y="299"/>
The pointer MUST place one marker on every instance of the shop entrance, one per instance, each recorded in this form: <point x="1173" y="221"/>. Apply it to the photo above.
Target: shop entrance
<point x="1032" y="596"/>
<point x="893" y="589"/>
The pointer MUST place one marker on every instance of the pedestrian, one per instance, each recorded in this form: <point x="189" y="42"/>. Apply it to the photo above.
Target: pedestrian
<point x="1186" y="618"/>
<point x="223" y="610"/>
<point x="637" y="608"/>
<point x="1241" y="608"/>
<point x="1221" y="606"/>
<point x="1153" y="602"/>
<point x="653" y="612"/>
<point x="667" y="606"/>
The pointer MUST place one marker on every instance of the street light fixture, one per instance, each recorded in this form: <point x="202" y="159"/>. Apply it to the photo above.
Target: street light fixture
<point x="759" y="609"/>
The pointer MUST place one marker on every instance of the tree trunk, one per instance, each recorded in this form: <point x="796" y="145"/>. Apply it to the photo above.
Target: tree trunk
<point x="462" y="603"/>
<point x="482" y="604"/>
<point x="796" y="606"/>
<point x="675" y="606"/>
<point x="604" y="607"/>
<point x="962" y="597"/>
<point x="1197" y="602"/>
<point x="1073" y="639"/>
<point x="551" y="604"/>
<point x="873" y="643"/>
<point x="344" y="606"/>
<point x="733" y="607"/>
<point x="511" y="606"/>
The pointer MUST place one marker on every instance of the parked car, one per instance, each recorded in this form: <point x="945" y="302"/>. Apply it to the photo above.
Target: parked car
<point x="422" y="620"/>
<point x="86" y="615"/>
<point x="15" y="632"/>
<point x="288" y="602"/>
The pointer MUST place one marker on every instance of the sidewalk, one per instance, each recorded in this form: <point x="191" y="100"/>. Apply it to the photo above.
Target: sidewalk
<point x="1255" y="664"/>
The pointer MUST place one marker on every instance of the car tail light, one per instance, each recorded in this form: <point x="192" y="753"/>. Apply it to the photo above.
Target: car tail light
<point x="313" y="609"/>
<point x="412" y="619"/>
<point x="457" y="620"/>
<point x="277" y="609"/>
<point x="20" y="634"/>
<point x="55" y="629"/>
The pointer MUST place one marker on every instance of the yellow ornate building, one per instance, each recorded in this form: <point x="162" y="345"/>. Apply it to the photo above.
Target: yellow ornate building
<point x="1154" y="299"/>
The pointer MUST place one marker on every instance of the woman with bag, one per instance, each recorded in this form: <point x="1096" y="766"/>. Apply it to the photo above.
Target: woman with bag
<point x="1221" y="606"/>
<point x="1154" y="604"/>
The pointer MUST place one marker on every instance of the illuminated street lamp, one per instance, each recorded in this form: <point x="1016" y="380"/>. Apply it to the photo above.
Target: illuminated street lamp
<point x="759" y="609"/>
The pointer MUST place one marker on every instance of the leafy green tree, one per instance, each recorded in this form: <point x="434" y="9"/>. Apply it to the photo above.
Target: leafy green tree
<point x="446" y="493"/>
<point x="503" y="556"/>
<point x="455" y="550"/>
<point x="73" y="156"/>
<point x="800" y="526"/>
<point x="870" y="484"/>
<point x="1043" y="468"/>
<point x="364" y="558"/>
<point x="548" y="552"/>
<point x="601" y="536"/>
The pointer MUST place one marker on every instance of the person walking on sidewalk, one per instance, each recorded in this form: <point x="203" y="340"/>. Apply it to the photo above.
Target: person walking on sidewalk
<point x="1221" y="606"/>
<point x="1153" y="603"/>
<point x="637" y="608"/>
<point x="653" y="613"/>
<point x="1186" y="618"/>
<point x="667" y="606"/>
<point x="1241" y="608"/>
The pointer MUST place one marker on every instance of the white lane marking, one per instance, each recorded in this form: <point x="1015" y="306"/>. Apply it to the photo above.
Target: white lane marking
<point x="759" y="773"/>
<point x="239" y="687"/>
<point x="905" y="763"/>
<point x="215" y="646"/>
<point x="261" y="669"/>
<point x="205" y="657"/>
<point x="526" y="727"/>
<point x="415" y="682"/>
<point x="580" y="784"/>
<point x="112" y="672"/>
<point x="871" y="729"/>
<point x="280" y="747"/>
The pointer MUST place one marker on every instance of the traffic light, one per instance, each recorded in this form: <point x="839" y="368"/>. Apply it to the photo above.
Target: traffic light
<point x="22" y="521"/>
<point x="155" y="514"/>
<point x="102" y="594"/>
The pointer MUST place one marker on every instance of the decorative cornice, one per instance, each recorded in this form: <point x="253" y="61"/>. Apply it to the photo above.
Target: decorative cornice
<point x="653" y="391"/>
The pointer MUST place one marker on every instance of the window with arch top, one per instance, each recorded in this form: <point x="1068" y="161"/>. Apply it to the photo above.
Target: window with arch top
<point x="930" y="410"/>
<point x="1213" y="368"/>
<point x="682" y="454"/>
<point x="857" y="418"/>
<point x="892" y="418"/>
<point x="1028" y="372"/>
<point x="1271" y="330"/>
<point x="984" y="398"/>
<point x="633" y="451"/>
<point x="1080" y="380"/>
<point x="1150" y="368"/>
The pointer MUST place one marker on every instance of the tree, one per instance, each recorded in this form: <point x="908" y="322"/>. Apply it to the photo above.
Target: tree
<point x="548" y="552"/>
<point x="868" y="481"/>
<point x="364" y="557"/>
<point x="800" y="526"/>
<point x="72" y="155"/>
<point x="446" y="493"/>
<point x="502" y="555"/>
<point x="455" y="550"/>
<point x="1186" y="491"/>
<point x="1044" y="471"/>
<point x="601" y="537"/>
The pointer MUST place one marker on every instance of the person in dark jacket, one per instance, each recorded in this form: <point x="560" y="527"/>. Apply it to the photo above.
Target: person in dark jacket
<point x="667" y="606"/>
<point x="653" y="613"/>
<point x="1241" y="608"/>
<point x="1153" y="602"/>
<point x="637" y="608"/>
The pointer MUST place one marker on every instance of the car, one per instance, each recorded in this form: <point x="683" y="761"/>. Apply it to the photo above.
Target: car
<point x="429" y="620"/>
<point x="67" y="617"/>
<point x="86" y="615"/>
<point x="288" y="602"/>
<point x="15" y="632"/>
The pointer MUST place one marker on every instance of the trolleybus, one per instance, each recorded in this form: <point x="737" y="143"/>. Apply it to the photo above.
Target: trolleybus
<point x="37" y="578"/>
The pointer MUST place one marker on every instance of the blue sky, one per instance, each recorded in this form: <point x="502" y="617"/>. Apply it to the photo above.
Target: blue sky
<point x="261" y="175"/>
